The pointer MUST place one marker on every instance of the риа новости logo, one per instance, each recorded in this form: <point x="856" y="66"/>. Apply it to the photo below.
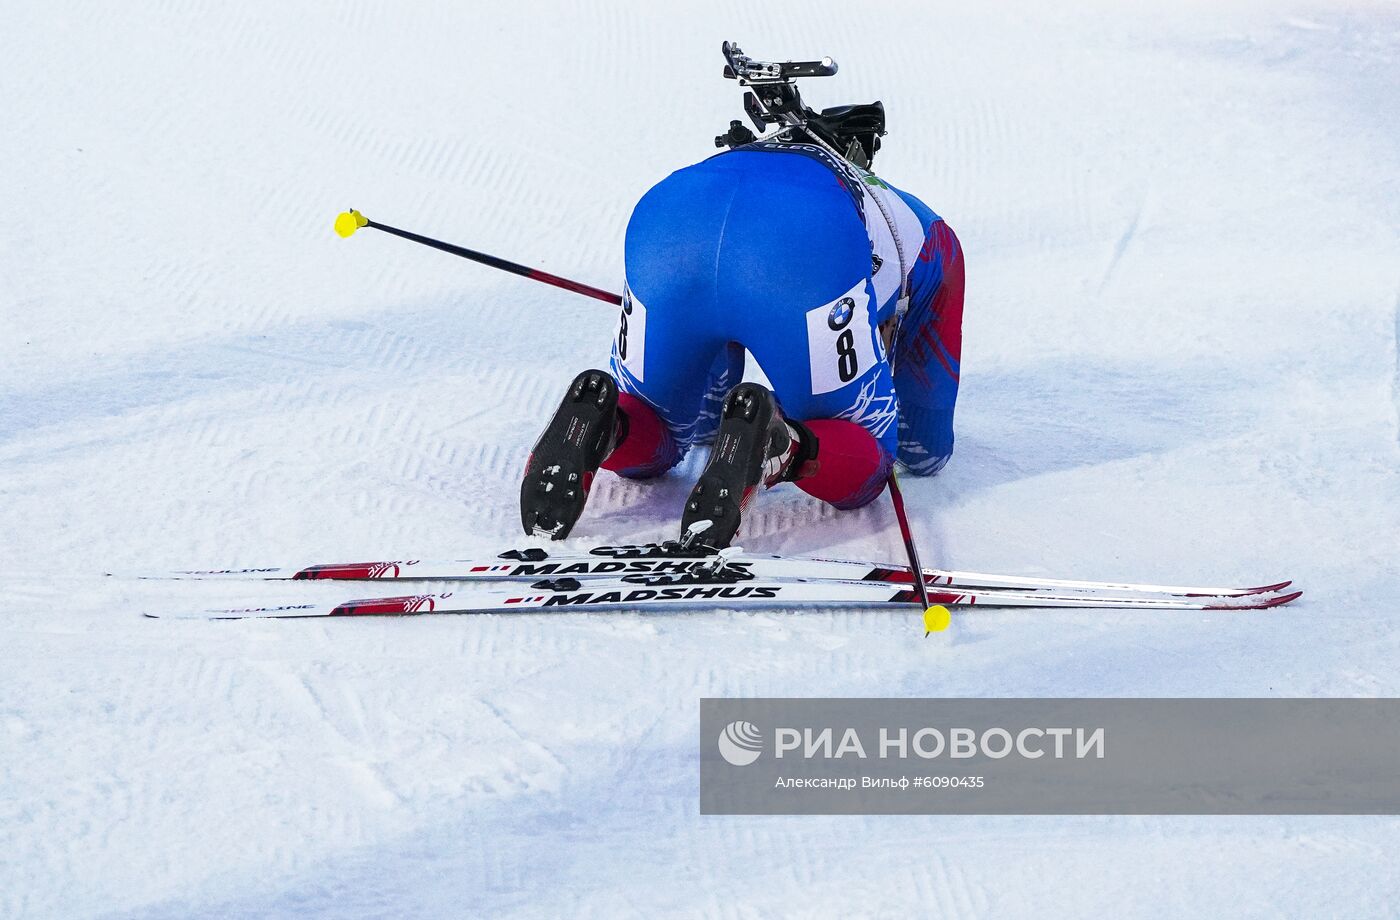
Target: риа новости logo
<point x="740" y="743"/>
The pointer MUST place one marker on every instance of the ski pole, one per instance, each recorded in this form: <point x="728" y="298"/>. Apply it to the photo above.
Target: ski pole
<point x="936" y="616"/>
<point x="350" y="221"/>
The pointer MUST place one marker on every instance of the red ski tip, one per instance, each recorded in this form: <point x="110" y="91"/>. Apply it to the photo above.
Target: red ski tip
<point x="1246" y="592"/>
<point x="352" y="571"/>
<point x="390" y="606"/>
<point x="1260" y="605"/>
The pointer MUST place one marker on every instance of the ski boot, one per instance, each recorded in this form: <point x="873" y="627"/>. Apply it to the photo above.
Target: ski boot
<point x="755" y="448"/>
<point x="560" y="470"/>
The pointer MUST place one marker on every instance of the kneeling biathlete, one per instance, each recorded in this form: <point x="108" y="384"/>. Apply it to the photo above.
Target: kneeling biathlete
<point x="847" y="291"/>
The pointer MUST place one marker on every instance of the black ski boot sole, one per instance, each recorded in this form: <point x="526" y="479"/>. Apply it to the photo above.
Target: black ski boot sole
<point x="560" y="470"/>
<point x="735" y="465"/>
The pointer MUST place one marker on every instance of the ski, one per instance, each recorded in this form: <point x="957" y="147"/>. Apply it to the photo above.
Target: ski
<point x="731" y="589"/>
<point x="660" y="558"/>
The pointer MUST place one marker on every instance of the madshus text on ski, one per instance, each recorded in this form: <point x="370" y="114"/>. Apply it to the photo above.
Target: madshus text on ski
<point x="680" y="575"/>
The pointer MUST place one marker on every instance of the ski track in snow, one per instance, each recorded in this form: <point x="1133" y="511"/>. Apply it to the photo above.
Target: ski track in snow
<point x="1180" y="362"/>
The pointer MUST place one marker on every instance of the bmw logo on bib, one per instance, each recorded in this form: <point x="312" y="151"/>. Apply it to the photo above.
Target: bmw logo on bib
<point x="841" y="313"/>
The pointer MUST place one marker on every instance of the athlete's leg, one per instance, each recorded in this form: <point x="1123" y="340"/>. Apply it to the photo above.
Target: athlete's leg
<point x="928" y="353"/>
<point x="645" y="447"/>
<point x="661" y="366"/>
<point x="725" y="375"/>
<point x="851" y="466"/>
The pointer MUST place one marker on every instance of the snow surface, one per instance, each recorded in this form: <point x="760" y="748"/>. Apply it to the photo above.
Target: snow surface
<point x="1182" y="226"/>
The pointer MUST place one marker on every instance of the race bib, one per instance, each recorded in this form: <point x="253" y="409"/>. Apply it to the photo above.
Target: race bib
<point x="631" y="342"/>
<point x="840" y="342"/>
